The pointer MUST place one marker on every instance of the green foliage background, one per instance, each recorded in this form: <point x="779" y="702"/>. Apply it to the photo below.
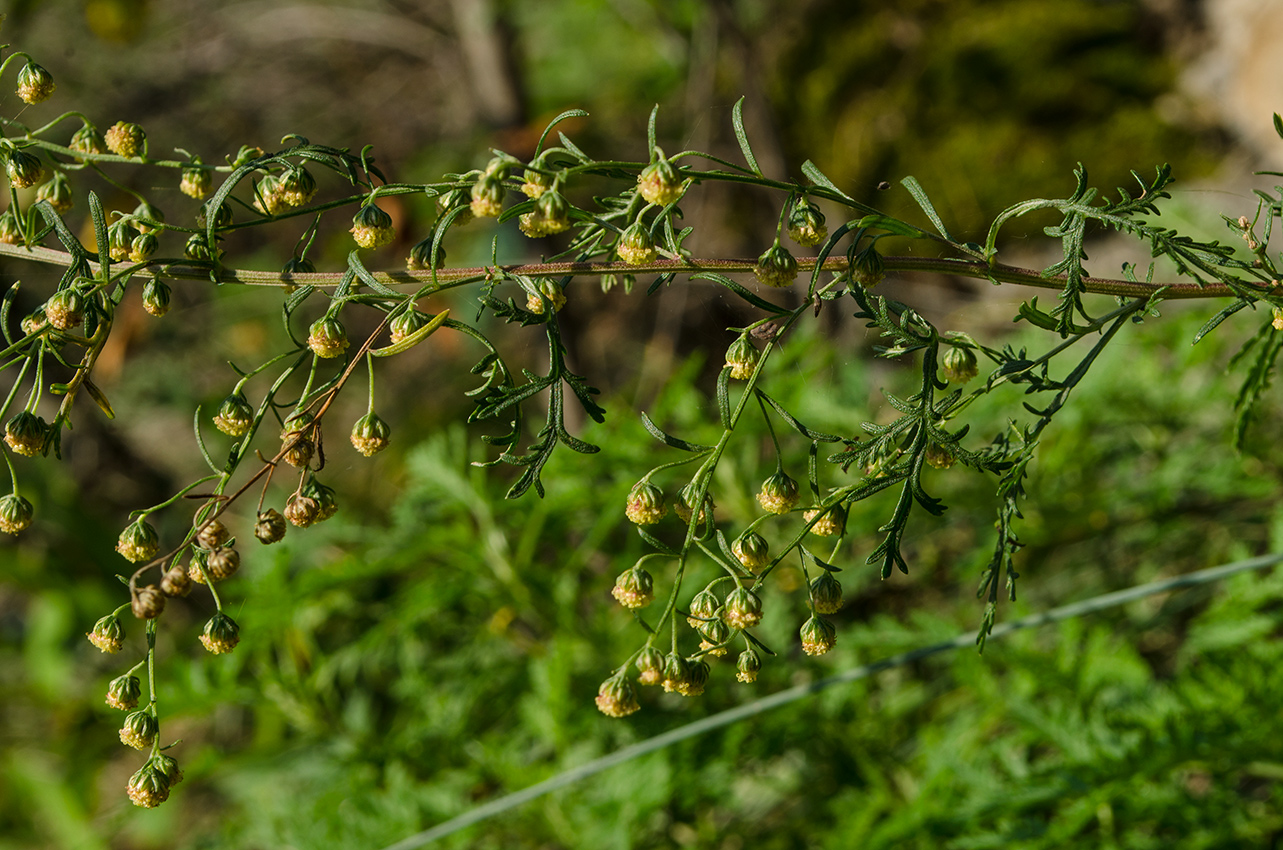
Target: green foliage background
<point x="434" y="646"/>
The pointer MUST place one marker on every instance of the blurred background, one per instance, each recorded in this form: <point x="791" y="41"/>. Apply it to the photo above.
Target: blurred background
<point x="435" y="646"/>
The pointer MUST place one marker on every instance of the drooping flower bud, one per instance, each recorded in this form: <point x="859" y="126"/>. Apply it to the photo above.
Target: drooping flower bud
<point x="126" y="139"/>
<point x="548" y="291"/>
<point x="138" y="542"/>
<point x="148" y="218"/>
<point x="779" y="494"/>
<point x="327" y="338"/>
<point x="88" y="140"/>
<point x="741" y="359"/>
<point x="175" y="582"/>
<point x="419" y="255"/>
<point x="107" y="634"/>
<point x="10" y="232"/>
<point x="324" y="496"/>
<point x="453" y="200"/>
<point x="806" y="224"/>
<point x="748" y="665"/>
<point x="156" y="294"/>
<point x="23" y="169"/>
<point x="65" y="309"/>
<point x="742" y="609"/>
<point x="213" y="534"/>
<point x="16" y="514"/>
<point x="650" y="666"/>
<point x="714" y="635"/>
<point x="196" y="248"/>
<point x="35" y="84"/>
<point x="959" y="365"/>
<point x="26" y="433"/>
<point x="372" y="227"/>
<point x="704" y="606"/>
<point x="684" y="507"/>
<point x="645" y="504"/>
<point x="535" y="184"/>
<point x="939" y="456"/>
<point x="196" y="183"/>
<point x="635" y="246"/>
<point x="142" y="246"/>
<point x="776" y="267"/>
<point x="550" y="215"/>
<point x="818" y="636"/>
<point x="235" y="416"/>
<point x="267" y="196"/>
<point x="120" y="239"/>
<point x="676" y="673"/>
<point x="696" y="678"/>
<point x="868" y="269"/>
<point x="147" y="603"/>
<point x="617" y="697"/>
<point x="123" y="692"/>
<point x="296" y="440"/>
<point x="297" y="186"/>
<point x="149" y="786"/>
<point x="405" y="323"/>
<point x="753" y="551"/>
<point x="370" y="434"/>
<point x="487" y="197"/>
<point x="246" y="155"/>
<point x="57" y="191"/>
<point x="222" y="216"/>
<point x="221" y="634"/>
<point x="634" y="588"/>
<point x="659" y="183"/>
<point x="270" y="526"/>
<point x="139" y="730"/>
<point x="826" y="593"/>
<point x="831" y="523"/>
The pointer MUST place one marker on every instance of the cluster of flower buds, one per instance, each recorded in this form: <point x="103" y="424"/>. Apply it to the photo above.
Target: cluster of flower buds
<point x="149" y="786"/>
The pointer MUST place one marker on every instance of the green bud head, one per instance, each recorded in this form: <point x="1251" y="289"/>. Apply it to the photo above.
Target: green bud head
<point x="57" y="193"/>
<point x="372" y="227"/>
<point x="35" y="84"/>
<point x="634" y="588"/>
<point x="139" y="730"/>
<point x="742" y="609"/>
<point x="235" y="416"/>
<point x="139" y="542"/>
<point x="487" y="197"/>
<point x="107" y="634"/>
<point x="196" y="183"/>
<point x="826" y="593"/>
<point x="123" y="692"/>
<point x="752" y="551"/>
<point x="327" y="338"/>
<point x="779" y="494"/>
<point x="221" y="634"/>
<point x="959" y="365"/>
<point x="818" y="636"/>
<point x="370" y="434"/>
<point x="23" y="169"/>
<point x="741" y="359"/>
<point x="658" y="182"/>
<point x="88" y="140"/>
<point x="420" y="259"/>
<point x="16" y="514"/>
<point x="126" y="139"/>
<point x="650" y="666"/>
<point x="635" y="246"/>
<point x="142" y="247"/>
<point x="26" y="433"/>
<point x="806" y="225"/>
<point x="645" y="504"/>
<point x="748" y="665"/>
<point x="776" y="267"/>
<point x="617" y="697"/>
<point x="156" y="295"/>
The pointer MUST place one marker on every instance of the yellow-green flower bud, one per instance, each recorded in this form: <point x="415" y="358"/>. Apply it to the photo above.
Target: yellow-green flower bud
<point x="939" y="457"/>
<point x="372" y="227"/>
<point x="327" y="338"/>
<point x="197" y="248"/>
<point x="549" y="292"/>
<point x="659" y="183"/>
<point x="270" y="526"/>
<point x="297" y="186"/>
<point x="535" y="183"/>
<point x="818" y="636"/>
<point x="487" y="197"/>
<point x="550" y="215"/>
<point x="742" y="609"/>
<point x="684" y="507"/>
<point x="148" y="218"/>
<point x="704" y="607"/>
<point x="26" y="433"/>
<point x="753" y="551"/>
<point x="107" y="634"/>
<point x="806" y="225"/>
<point x="868" y="268"/>
<point x="419" y="259"/>
<point x="296" y="441"/>
<point x="676" y="673"/>
<point x="779" y="494"/>
<point x="370" y="434"/>
<point x="634" y="588"/>
<point x="221" y="634"/>
<point x="126" y="139"/>
<point x="246" y="155"/>
<point x="88" y="140"/>
<point x="139" y="542"/>
<point x="65" y="309"/>
<point x="35" y="84"/>
<point x="650" y="666"/>
<point x="635" y="246"/>
<point x="741" y="359"/>
<point x="149" y="786"/>
<point x="714" y="635"/>
<point x="147" y="603"/>
<point x="405" y="323"/>
<point x="235" y="416"/>
<point x="156" y="297"/>
<point x="57" y="192"/>
<point x="645" y="504"/>
<point x="10" y="232"/>
<point x="142" y="247"/>
<point x="222" y="216"/>
<point x="696" y="679"/>
<point x="959" y="365"/>
<point x="123" y="692"/>
<point x="832" y="522"/>
<point x="617" y="697"/>
<point x="23" y="169"/>
<point x="267" y="196"/>
<point x="776" y="267"/>
<point x="139" y="730"/>
<point x="120" y="240"/>
<point x="16" y="514"/>
<point x="452" y="200"/>
<point x="748" y="665"/>
<point x="196" y="183"/>
<point x="324" y="496"/>
<point x="826" y="593"/>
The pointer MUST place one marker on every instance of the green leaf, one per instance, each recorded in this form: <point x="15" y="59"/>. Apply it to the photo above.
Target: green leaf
<point x="891" y="225"/>
<point x="724" y="397"/>
<point x="569" y="113"/>
<point x="919" y="194"/>
<point x="737" y="118"/>
<point x="670" y="440"/>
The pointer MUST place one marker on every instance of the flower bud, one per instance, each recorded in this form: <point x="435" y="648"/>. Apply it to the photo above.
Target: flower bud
<point x="370" y="434"/>
<point x="235" y="416"/>
<point x="676" y="673"/>
<point x="372" y="227"/>
<point x="324" y="497"/>
<point x="16" y="513"/>
<point x="658" y="182"/>
<point x="156" y="295"/>
<point x="939" y="456"/>
<point x="123" y="692"/>
<point x="213" y="534"/>
<point x="139" y="730"/>
<point x="88" y="140"/>
<point x="535" y="184"/>
<point x="147" y="603"/>
<point x="107" y="634"/>
<point x="175" y="582"/>
<point x="550" y="292"/>
<point x="868" y="268"/>
<point x="296" y="266"/>
<point x="198" y="569"/>
<point x="297" y="186"/>
<point x="65" y="309"/>
<point x="246" y="155"/>
<point x="748" y="665"/>
<point x="302" y="511"/>
<point x="296" y="440"/>
<point x="741" y="359"/>
<point x="405" y="323"/>
<point x="222" y="217"/>
<point x="34" y="323"/>
<point x="959" y="365"/>
<point x="126" y="139"/>
<point x="267" y="196"/>
<point x="779" y="494"/>
<point x="487" y="197"/>
<point x="142" y="247"/>
<point x="806" y="225"/>
<point x="327" y="338"/>
<point x="10" y="232"/>
<point x="617" y="697"/>
<point x="650" y="666"/>
<point x="683" y="508"/>
<point x="551" y="215"/>
<point x="704" y="606"/>
<point x="139" y="542"/>
<point x="776" y="267"/>
<point x="832" y="522"/>
<point x="149" y="786"/>
<point x="453" y="200"/>
<point x="120" y="239"/>
<point x="270" y="526"/>
<point x="148" y="218"/>
<point x="826" y="593"/>
<point x="696" y="679"/>
<point x="634" y="588"/>
<point x="196" y="183"/>
<point x="753" y="551"/>
<point x="168" y="765"/>
<point x="645" y="504"/>
<point x="714" y="636"/>
<point x="57" y="192"/>
<point x="26" y="433"/>
<point x="419" y="258"/>
<point x="196" y="248"/>
<point x="221" y="634"/>
<point x="742" y="609"/>
<point x="635" y="246"/>
<point x="222" y="563"/>
<point x="818" y="636"/>
<point x="35" y="84"/>
<point x="23" y="169"/>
